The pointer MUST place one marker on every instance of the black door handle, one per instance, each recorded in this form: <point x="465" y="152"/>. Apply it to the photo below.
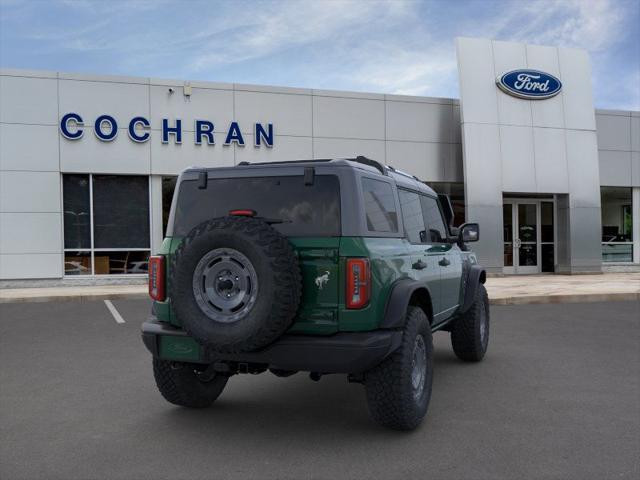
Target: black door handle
<point x="444" y="262"/>
<point x="419" y="265"/>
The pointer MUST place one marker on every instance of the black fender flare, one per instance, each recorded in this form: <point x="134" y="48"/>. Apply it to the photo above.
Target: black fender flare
<point x="475" y="276"/>
<point x="401" y="293"/>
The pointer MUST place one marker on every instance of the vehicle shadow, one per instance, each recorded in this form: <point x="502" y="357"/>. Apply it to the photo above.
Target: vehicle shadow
<point x="272" y="409"/>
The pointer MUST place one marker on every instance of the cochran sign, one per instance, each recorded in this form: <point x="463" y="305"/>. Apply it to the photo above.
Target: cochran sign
<point x="529" y="84"/>
<point x="105" y="128"/>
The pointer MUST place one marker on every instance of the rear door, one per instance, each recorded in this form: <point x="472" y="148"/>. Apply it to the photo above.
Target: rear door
<point x="446" y="254"/>
<point x="424" y="265"/>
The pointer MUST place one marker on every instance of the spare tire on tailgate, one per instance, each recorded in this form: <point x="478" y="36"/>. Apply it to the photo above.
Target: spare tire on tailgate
<point x="235" y="284"/>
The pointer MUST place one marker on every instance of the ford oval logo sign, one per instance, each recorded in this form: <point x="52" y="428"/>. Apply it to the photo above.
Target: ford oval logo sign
<point x="529" y="84"/>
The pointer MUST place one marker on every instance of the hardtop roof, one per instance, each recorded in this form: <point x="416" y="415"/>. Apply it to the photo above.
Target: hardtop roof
<point x="374" y="167"/>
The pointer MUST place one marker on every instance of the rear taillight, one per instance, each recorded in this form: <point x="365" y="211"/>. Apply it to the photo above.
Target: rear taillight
<point x="358" y="282"/>
<point x="156" y="278"/>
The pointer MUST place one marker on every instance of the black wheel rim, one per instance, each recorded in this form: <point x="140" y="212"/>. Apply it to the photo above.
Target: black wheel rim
<point x="225" y="285"/>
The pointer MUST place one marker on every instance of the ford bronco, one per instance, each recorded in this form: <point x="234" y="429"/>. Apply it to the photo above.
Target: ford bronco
<point x="325" y="266"/>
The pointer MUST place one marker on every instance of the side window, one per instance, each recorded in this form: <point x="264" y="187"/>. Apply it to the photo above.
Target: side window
<point x="380" y="206"/>
<point x="412" y="216"/>
<point x="436" y="231"/>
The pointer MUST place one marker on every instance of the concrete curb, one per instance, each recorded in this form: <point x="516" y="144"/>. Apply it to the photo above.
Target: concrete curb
<point x="566" y="298"/>
<point x="512" y="300"/>
<point x="73" y="298"/>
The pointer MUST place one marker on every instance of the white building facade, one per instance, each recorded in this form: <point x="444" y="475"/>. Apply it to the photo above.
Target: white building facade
<point x="87" y="163"/>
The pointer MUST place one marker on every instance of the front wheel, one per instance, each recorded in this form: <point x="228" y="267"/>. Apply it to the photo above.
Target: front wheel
<point x="183" y="385"/>
<point x="470" y="332"/>
<point x="399" y="389"/>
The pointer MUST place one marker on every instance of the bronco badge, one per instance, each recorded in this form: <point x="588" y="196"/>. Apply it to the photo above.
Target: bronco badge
<point x="322" y="280"/>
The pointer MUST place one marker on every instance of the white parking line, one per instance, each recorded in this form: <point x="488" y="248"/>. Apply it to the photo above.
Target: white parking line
<point x="118" y="318"/>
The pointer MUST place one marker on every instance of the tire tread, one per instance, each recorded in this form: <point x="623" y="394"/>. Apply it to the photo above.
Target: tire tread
<point x="465" y="334"/>
<point x="182" y="387"/>
<point x="388" y="385"/>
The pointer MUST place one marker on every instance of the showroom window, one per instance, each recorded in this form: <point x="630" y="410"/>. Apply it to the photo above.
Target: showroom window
<point x="168" y="187"/>
<point x="106" y="224"/>
<point x="617" y="224"/>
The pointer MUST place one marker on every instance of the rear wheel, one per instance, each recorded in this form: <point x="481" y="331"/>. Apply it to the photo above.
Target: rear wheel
<point x="470" y="332"/>
<point x="183" y="384"/>
<point x="399" y="389"/>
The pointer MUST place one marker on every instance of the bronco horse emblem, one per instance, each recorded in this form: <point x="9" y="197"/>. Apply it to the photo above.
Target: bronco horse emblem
<point x="322" y="280"/>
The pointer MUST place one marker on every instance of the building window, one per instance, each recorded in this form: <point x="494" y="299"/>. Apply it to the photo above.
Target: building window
<point x="106" y="224"/>
<point x="168" y="187"/>
<point x="547" y="237"/>
<point x="617" y="224"/>
<point x="455" y="191"/>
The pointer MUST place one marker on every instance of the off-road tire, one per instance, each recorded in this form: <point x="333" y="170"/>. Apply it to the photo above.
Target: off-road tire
<point x="468" y="341"/>
<point x="279" y="280"/>
<point x="389" y="390"/>
<point x="179" y="384"/>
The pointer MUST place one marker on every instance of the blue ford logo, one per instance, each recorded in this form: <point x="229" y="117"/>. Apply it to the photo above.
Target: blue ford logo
<point x="529" y="84"/>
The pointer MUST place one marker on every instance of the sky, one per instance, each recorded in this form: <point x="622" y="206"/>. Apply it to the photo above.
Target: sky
<point x="402" y="47"/>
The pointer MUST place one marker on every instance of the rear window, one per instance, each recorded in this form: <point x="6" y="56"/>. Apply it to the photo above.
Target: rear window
<point x="380" y="206"/>
<point x="307" y="210"/>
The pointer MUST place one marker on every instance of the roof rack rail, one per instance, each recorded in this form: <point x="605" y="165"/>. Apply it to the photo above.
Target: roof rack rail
<point x="371" y="163"/>
<point x="359" y="159"/>
<point x="400" y="172"/>
<point x="283" y="162"/>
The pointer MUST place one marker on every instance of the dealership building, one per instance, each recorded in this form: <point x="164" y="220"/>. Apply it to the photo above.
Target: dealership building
<point x="88" y="163"/>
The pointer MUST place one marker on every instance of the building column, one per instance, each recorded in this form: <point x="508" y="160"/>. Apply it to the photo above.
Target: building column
<point x="563" y="239"/>
<point x="579" y="238"/>
<point x="155" y="185"/>
<point x="483" y="192"/>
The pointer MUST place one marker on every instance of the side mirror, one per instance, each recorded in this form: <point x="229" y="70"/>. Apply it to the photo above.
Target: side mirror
<point x="468" y="232"/>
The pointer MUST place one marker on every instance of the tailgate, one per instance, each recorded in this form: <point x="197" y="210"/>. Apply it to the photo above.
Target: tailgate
<point x="318" y="258"/>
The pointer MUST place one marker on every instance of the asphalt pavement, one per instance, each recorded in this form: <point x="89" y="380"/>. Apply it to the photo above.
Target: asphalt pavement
<point x="557" y="396"/>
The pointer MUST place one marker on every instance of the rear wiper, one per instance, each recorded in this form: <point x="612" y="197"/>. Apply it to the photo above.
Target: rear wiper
<point x="272" y="221"/>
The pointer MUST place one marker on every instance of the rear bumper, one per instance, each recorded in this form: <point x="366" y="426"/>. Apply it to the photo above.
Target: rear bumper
<point x="347" y="352"/>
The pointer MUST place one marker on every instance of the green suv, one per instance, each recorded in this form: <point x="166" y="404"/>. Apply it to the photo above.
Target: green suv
<point x="325" y="266"/>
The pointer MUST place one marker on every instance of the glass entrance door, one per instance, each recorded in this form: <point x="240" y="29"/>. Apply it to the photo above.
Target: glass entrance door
<point x="526" y="240"/>
<point x="528" y="236"/>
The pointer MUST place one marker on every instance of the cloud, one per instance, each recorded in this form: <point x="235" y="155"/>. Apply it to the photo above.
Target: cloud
<point x="375" y="46"/>
<point x="400" y="46"/>
<point x="399" y="70"/>
<point x="292" y="25"/>
<point x="590" y="24"/>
